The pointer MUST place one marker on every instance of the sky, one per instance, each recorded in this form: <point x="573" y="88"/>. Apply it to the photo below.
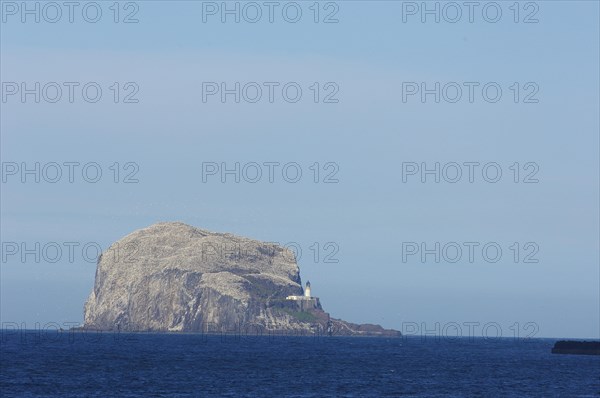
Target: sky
<point x="373" y="150"/>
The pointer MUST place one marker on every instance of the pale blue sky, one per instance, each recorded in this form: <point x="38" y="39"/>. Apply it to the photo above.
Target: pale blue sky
<point x="369" y="133"/>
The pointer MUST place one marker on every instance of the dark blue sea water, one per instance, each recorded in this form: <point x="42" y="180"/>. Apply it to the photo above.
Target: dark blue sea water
<point x="155" y="365"/>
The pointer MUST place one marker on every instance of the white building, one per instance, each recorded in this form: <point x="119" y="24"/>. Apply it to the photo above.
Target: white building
<point x="306" y="296"/>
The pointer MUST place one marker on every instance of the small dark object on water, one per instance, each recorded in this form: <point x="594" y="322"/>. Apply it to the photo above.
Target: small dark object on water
<point x="576" y="347"/>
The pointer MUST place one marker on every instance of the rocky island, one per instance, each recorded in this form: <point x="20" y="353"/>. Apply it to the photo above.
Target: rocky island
<point x="172" y="277"/>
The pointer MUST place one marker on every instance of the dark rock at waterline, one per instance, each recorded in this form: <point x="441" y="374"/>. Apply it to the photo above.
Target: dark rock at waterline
<point x="576" y="347"/>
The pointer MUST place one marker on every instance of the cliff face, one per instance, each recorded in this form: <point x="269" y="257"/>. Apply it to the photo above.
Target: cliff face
<point x="173" y="277"/>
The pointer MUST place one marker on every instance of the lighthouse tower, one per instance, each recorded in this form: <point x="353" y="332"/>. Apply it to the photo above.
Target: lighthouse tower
<point x="307" y="289"/>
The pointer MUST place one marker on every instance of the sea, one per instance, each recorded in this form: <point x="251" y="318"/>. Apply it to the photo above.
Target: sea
<point x="78" y="364"/>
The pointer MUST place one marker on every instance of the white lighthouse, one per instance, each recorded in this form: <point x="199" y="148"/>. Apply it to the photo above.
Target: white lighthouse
<point x="306" y="302"/>
<point x="307" y="290"/>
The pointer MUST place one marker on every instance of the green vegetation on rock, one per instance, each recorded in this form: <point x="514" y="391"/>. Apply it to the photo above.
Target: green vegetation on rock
<point x="302" y="316"/>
